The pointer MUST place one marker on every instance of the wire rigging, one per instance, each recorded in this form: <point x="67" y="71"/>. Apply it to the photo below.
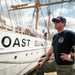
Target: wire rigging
<point x="33" y="17"/>
<point x="8" y="13"/>
<point x="43" y="17"/>
<point x="1" y="12"/>
<point x="14" y="13"/>
<point x="61" y="9"/>
<point x="18" y="17"/>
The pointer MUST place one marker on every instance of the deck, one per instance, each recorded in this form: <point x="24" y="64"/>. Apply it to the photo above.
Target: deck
<point x="51" y="73"/>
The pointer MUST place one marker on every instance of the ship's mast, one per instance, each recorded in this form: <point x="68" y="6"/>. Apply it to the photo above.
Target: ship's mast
<point x="37" y="11"/>
<point x="36" y="6"/>
<point x="48" y="28"/>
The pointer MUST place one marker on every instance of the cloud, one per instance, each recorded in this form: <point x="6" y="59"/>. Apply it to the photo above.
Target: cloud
<point x="70" y="21"/>
<point x="62" y="11"/>
<point x="73" y="7"/>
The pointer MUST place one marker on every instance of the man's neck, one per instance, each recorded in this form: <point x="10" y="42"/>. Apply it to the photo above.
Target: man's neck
<point x="60" y="30"/>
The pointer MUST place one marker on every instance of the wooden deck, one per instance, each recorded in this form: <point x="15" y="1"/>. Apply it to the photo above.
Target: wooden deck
<point x="51" y="73"/>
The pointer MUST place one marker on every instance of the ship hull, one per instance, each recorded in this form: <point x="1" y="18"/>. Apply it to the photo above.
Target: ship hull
<point x="19" y="53"/>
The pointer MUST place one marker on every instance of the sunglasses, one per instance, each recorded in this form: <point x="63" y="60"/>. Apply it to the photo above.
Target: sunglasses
<point x="57" y="21"/>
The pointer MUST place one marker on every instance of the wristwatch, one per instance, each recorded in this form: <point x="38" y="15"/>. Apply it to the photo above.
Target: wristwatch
<point x="72" y="57"/>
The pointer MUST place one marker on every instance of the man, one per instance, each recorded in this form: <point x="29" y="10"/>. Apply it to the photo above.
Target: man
<point x="62" y="47"/>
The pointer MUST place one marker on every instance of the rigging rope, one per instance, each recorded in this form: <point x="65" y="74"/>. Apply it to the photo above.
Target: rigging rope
<point x="61" y="9"/>
<point x="33" y="17"/>
<point x="8" y="13"/>
<point x="1" y="14"/>
<point x="14" y="13"/>
<point x="20" y="15"/>
<point x="43" y="17"/>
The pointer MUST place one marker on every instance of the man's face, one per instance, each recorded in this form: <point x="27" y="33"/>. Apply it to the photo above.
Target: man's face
<point x="59" y="24"/>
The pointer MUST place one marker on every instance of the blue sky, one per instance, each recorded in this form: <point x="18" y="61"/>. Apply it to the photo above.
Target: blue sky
<point x="67" y="10"/>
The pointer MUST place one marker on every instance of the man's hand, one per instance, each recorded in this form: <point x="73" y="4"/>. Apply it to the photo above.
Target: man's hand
<point x="65" y="56"/>
<point x="39" y="64"/>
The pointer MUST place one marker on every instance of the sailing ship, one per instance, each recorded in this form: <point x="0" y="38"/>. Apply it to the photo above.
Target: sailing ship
<point x="21" y="49"/>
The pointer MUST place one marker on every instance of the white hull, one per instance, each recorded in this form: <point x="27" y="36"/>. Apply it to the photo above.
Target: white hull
<point x="19" y="53"/>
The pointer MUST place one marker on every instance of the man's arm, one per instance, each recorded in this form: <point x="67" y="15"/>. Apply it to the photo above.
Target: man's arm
<point x="48" y="54"/>
<point x="73" y="53"/>
<point x="69" y="57"/>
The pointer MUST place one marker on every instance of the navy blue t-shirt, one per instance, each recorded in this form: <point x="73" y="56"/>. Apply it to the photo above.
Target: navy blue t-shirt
<point x="62" y="43"/>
